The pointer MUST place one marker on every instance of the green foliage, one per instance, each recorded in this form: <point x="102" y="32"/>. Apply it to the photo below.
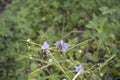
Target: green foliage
<point x="91" y="28"/>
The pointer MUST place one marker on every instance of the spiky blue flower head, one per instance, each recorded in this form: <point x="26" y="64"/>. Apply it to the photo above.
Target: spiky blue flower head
<point x="45" y="45"/>
<point x="78" y="68"/>
<point x="63" y="46"/>
<point x="59" y="43"/>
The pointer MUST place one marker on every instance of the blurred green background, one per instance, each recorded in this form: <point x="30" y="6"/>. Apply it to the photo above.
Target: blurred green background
<point x="74" y="21"/>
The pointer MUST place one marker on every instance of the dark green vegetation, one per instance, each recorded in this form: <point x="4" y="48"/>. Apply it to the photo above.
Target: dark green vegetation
<point x="93" y="26"/>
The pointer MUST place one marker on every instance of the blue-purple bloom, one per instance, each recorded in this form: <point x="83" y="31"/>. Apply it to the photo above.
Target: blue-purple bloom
<point x="45" y="45"/>
<point x="62" y="45"/>
<point x="78" y="68"/>
<point x="59" y="43"/>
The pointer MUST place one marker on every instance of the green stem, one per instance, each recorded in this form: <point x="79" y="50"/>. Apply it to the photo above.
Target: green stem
<point x="77" y="45"/>
<point x="57" y="64"/>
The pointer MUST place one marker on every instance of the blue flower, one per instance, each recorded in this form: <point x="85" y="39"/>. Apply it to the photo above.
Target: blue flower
<point x="78" y="68"/>
<point x="45" y="46"/>
<point x="59" y="43"/>
<point x="62" y="45"/>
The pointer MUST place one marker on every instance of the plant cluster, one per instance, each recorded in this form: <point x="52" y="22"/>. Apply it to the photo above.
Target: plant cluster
<point x="59" y="40"/>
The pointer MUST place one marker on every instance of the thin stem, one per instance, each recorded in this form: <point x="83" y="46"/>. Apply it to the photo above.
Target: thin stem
<point x="74" y="78"/>
<point x="32" y="43"/>
<point x="78" y="44"/>
<point x="60" y="67"/>
<point x="106" y="62"/>
<point x="41" y="68"/>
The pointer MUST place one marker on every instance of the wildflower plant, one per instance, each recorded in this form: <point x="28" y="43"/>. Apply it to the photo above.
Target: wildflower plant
<point x="58" y="59"/>
<point x="47" y="39"/>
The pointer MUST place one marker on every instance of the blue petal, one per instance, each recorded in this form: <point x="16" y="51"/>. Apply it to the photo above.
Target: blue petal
<point x="61" y="42"/>
<point x="57" y="43"/>
<point x="45" y="45"/>
<point x="78" y="68"/>
<point x="64" y="47"/>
